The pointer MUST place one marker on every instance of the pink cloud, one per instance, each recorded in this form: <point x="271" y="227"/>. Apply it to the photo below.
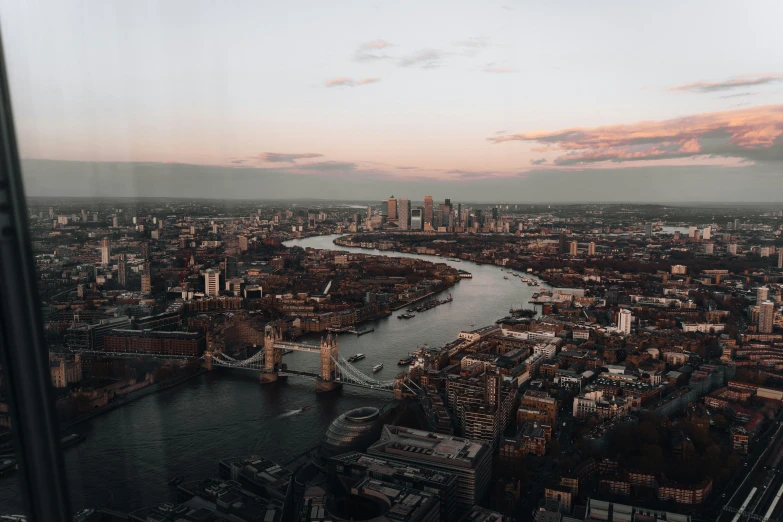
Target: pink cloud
<point x="754" y="134"/>
<point x="344" y="81"/>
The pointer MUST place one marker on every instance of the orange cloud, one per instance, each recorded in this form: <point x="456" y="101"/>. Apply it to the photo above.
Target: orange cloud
<point x="754" y="134"/>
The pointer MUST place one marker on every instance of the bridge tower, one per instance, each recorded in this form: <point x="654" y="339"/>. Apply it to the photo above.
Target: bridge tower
<point x="329" y="354"/>
<point x="273" y="357"/>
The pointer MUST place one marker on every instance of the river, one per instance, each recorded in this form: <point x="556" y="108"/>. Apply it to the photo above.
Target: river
<point x="131" y="452"/>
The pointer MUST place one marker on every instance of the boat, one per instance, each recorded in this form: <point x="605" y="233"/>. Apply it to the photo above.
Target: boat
<point x="505" y="277"/>
<point x="365" y="331"/>
<point x="305" y="408"/>
<point x="176" y="481"/>
<point x="377" y="368"/>
<point x="405" y="361"/>
<point x="406" y="315"/>
<point x="357" y="357"/>
<point x="72" y="439"/>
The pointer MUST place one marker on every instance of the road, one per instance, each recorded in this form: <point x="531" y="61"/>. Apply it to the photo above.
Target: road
<point x="758" y="496"/>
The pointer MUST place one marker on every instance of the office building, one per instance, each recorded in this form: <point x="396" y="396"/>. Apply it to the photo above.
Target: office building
<point x="591" y="249"/>
<point x="404" y="214"/>
<point x="105" y="250"/>
<point x="766" y="317"/>
<point x="122" y="270"/>
<point x="392" y="203"/>
<point x="736" y="224"/>
<point x="146" y="283"/>
<point x="417" y="222"/>
<point x="709" y="248"/>
<point x="762" y="294"/>
<point x="212" y="282"/>
<point x="231" y="267"/>
<point x="427" y="210"/>
<point x="692" y="231"/>
<point x="648" y="229"/>
<point x="354" y="467"/>
<point x="89" y="337"/>
<point x="610" y="512"/>
<point x="190" y="344"/>
<point x="624" y="319"/>
<point x="572" y="248"/>
<point x="732" y="249"/>
<point x="679" y="269"/>
<point x="369" y="211"/>
<point x="385" y="208"/>
<point x="470" y="461"/>
<point x="145" y="250"/>
<point x="537" y="406"/>
<point x="243" y="243"/>
<point x="706" y="233"/>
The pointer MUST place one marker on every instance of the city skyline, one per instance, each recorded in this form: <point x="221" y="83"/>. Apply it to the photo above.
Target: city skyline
<point x="501" y="98"/>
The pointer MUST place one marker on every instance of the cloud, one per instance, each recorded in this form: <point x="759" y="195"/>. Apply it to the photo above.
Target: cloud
<point x="726" y="85"/>
<point x="755" y="134"/>
<point x="368" y="51"/>
<point x="499" y="70"/>
<point x="540" y="161"/>
<point x="739" y="95"/>
<point x="471" y="174"/>
<point x="426" y="59"/>
<point x="329" y="166"/>
<point x="344" y="81"/>
<point x="407" y="168"/>
<point x="278" y="157"/>
<point x="238" y="161"/>
<point x="375" y="44"/>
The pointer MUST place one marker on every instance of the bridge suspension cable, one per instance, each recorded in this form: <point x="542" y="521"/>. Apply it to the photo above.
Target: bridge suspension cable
<point x="348" y="374"/>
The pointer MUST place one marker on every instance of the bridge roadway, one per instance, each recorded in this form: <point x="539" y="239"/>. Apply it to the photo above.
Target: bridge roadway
<point x="758" y="497"/>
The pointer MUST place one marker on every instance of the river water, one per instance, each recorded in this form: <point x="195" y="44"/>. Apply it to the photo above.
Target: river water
<point x="131" y="453"/>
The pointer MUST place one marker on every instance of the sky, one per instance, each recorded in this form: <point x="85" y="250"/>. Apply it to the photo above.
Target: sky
<point x="508" y="100"/>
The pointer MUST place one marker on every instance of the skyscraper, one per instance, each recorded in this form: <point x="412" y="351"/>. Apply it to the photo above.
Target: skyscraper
<point x="427" y="209"/>
<point x="624" y="319"/>
<point x="392" y="208"/>
<point x="706" y="233"/>
<point x="105" y="250"/>
<point x="766" y="317"/>
<point x="122" y="270"/>
<point x="146" y="284"/>
<point x="762" y="294"/>
<point x="212" y="282"/>
<point x="404" y="214"/>
<point x="780" y="258"/>
<point x="369" y="211"/>
<point x="648" y="229"/>
<point x="572" y="248"/>
<point x="145" y="250"/>
<point x="416" y="219"/>
<point x="591" y="249"/>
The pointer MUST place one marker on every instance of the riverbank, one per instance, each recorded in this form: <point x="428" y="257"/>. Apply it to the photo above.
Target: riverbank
<point x="127" y="399"/>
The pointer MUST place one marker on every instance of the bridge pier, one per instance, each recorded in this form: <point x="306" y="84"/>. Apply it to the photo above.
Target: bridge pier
<point x="268" y="378"/>
<point x="273" y="357"/>
<point x="329" y="354"/>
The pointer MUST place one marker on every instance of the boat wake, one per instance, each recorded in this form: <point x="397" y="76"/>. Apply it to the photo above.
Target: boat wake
<point x="289" y="413"/>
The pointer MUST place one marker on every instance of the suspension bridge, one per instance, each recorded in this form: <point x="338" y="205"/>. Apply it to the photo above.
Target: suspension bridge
<point x="335" y="371"/>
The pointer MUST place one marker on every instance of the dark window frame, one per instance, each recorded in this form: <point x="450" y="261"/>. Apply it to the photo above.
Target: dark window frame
<point x="23" y="350"/>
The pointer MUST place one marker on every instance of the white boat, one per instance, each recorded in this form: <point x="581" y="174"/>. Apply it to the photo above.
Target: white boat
<point x="377" y="368"/>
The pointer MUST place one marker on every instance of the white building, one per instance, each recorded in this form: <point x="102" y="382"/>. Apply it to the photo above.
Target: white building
<point x="212" y="282"/>
<point x="679" y="269"/>
<point x="624" y="320"/>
